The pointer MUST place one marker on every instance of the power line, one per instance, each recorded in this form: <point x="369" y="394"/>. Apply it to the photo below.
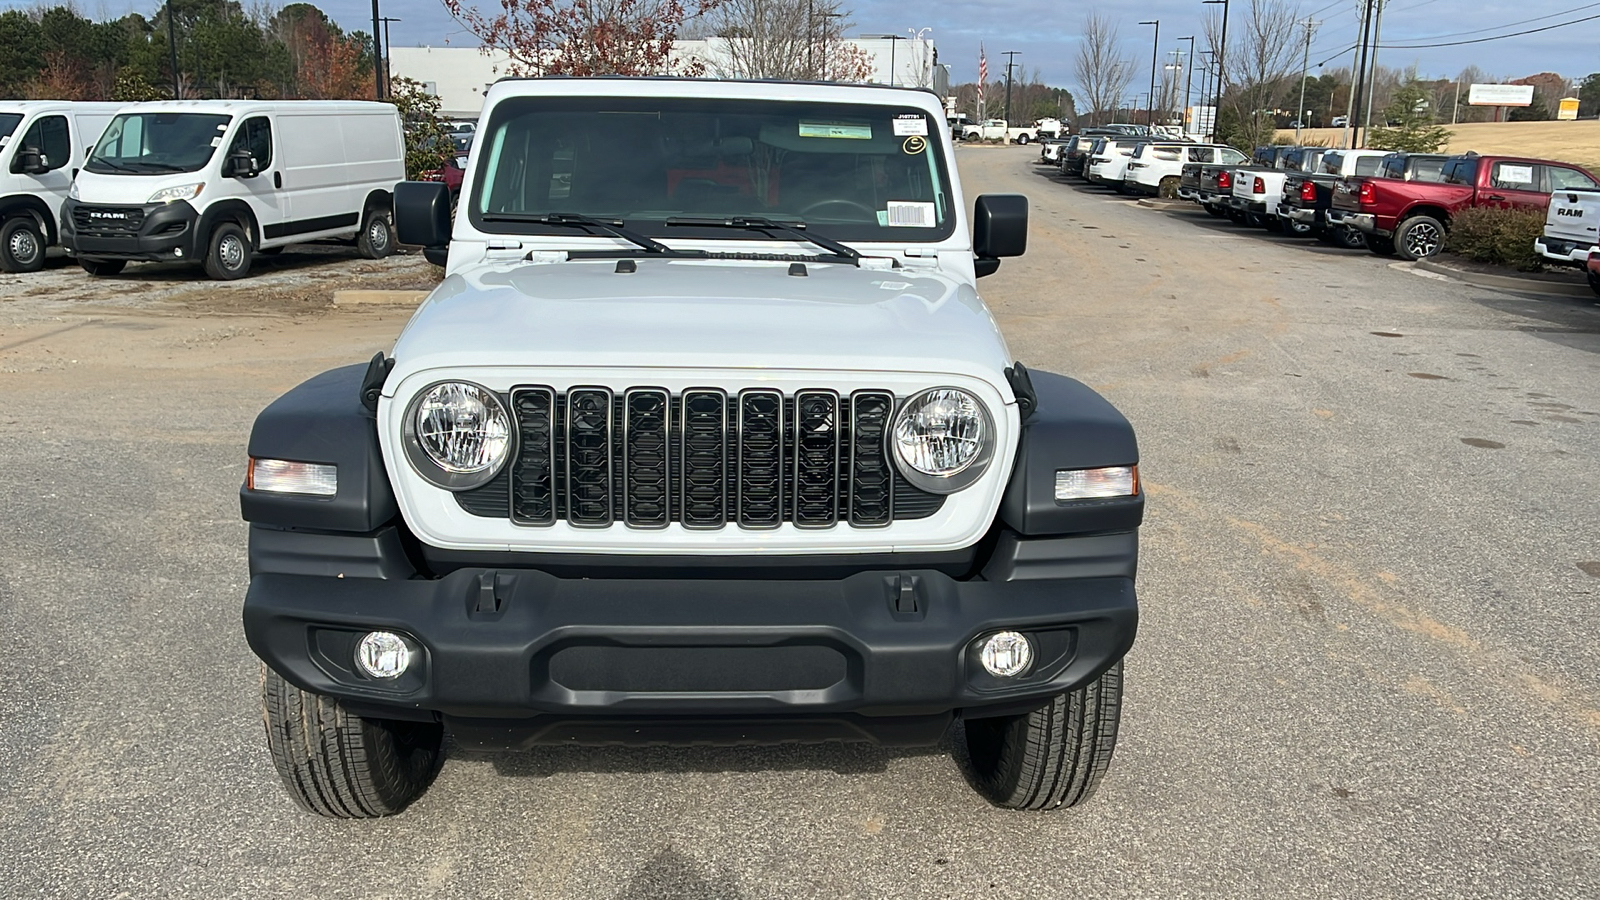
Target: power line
<point x="1451" y="34"/>
<point x="1498" y="37"/>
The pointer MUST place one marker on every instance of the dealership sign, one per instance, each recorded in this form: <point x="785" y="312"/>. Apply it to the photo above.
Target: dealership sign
<point x="1500" y="95"/>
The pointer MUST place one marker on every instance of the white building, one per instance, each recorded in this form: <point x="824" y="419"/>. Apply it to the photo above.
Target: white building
<point x="459" y="76"/>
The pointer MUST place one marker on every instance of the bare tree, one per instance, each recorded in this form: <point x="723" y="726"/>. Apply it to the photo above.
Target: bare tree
<point x="1103" y="73"/>
<point x="787" y="39"/>
<point x="1261" y="57"/>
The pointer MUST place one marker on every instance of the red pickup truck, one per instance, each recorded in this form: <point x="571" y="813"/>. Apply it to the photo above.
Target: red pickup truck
<point x="1409" y="218"/>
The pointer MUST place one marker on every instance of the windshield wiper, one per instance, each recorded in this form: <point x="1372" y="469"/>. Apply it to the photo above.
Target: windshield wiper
<point x="575" y="220"/>
<point x="99" y="161"/>
<point x="795" y="229"/>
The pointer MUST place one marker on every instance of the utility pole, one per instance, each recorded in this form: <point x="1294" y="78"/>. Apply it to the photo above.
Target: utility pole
<point x="1155" y="51"/>
<point x="1188" y="82"/>
<point x="1359" y="74"/>
<point x="1455" y="108"/>
<point x="388" y="75"/>
<point x="172" y="47"/>
<point x="1222" y="54"/>
<point x="1372" y="79"/>
<point x="377" y="54"/>
<point x="1205" y="80"/>
<point x="1010" y="56"/>
<point x="1305" y="66"/>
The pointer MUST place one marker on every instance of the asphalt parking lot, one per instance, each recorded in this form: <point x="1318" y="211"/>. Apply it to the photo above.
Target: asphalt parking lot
<point x="1367" y="664"/>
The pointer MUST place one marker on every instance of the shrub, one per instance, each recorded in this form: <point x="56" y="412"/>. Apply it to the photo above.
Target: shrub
<point x="1503" y="237"/>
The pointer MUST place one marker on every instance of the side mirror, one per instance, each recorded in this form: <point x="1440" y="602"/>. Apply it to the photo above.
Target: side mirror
<point x="422" y="213"/>
<point x="999" y="229"/>
<point x="31" y="162"/>
<point x="241" y="164"/>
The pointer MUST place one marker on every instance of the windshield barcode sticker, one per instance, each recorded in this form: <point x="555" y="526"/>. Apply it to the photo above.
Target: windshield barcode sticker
<point x="909" y="215"/>
<point x="845" y="130"/>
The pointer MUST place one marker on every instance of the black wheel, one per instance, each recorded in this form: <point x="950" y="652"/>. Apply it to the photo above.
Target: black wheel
<point x="1296" y="228"/>
<point x="103" y="268"/>
<point x="1594" y="281"/>
<point x="1380" y="245"/>
<point x="1022" y="139"/>
<point x="1257" y="220"/>
<point x="228" y="256"/>
<point x="1215" y="210"/>
<point x="341" y="765"/>
<point x="1235" y="215"/>
<point x="377" y="235"/>
<point x="1349" y="238"/>
<point x="1419" y="237"/>
<point x="21" y="245"/>
<point x="1051" y="757"/>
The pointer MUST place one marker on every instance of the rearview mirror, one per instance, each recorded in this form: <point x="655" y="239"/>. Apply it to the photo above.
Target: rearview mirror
<point x="422" y="213"/>
<point x="999" y="229"/>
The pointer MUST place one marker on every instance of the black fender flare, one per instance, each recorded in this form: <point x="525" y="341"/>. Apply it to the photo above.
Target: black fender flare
<point x="232" y="210"/>
<point x="34" y="208"/>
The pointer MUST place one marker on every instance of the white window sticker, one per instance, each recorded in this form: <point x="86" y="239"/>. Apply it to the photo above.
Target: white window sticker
<point x="908" y="215"/>
<point x="908" y="127"/>
<point x="4" y="139"/>
<point x="836" y="130"/>
<point x="1515" y="175"/>
<point x="216" y="142"/>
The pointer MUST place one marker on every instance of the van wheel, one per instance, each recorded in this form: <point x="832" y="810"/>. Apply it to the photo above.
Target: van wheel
<point x="1052" y="757"/>
<point x="341" y="765"/>
<point x="21" y="246"/>
<point x="103" y="268"/>
<point x="377" y="235"/>
<point x="229" y="255"/>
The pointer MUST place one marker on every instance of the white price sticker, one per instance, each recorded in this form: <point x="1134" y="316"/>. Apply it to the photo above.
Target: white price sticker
<point x="909" y="127"/>
<point x="1515" y="175"/>
<point x="908" y="215"/>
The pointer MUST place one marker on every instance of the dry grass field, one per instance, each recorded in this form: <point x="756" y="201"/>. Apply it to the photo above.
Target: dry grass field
<point x="1577" y="142"/>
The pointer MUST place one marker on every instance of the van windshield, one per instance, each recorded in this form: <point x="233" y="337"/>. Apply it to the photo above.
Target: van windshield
<point x="666" y="166"/>
<point x="8" y="124"/>
<point x="156" y="143"/>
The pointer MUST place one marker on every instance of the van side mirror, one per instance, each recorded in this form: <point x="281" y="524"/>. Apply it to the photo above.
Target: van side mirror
<point x="31" y="162"/>
<point x="241" y="164"/>
<point x="422" y="213"/>
<point x="999" y="229"/>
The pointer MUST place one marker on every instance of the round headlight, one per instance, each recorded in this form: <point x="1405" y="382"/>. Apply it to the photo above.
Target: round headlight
<point x="457" y="434"/>
<point x="943" y="439"/>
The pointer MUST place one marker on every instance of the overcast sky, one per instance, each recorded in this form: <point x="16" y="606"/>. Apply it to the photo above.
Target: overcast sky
<point x="1046" y="31"/>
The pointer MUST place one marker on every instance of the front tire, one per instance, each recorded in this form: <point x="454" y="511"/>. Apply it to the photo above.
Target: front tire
<point x="1419" y="237"/>
<point x="228" y="256"/>
<point x="377" y="235"/>
<point x="103" y="268"/>
<point x="1052" y="757"/>
<point x="1022" y="139"/>
<point x="21" y="245"/>
<point x="341" y="765"/>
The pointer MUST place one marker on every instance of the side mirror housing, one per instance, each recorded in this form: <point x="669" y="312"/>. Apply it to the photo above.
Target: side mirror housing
<point x="999" y="229"/>
<point x="241" y="164"/>
<point x="31" y="162"/>
<point x="422" y="213"/>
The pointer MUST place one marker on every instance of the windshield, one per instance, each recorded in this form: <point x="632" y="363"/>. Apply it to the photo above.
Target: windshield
<point x="155" y="143"/>
<point x="8" y="124"/>
<point x="851" y="172"/>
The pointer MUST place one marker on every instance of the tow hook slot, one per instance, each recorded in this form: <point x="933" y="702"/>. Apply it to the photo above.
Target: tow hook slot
<point x="907" y="599"/>
<point x="494" y="590"/>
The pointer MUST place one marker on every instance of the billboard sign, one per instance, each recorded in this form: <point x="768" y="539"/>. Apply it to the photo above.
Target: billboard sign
<point x="1500" y="95"/>
<point x="1569" y="109"/>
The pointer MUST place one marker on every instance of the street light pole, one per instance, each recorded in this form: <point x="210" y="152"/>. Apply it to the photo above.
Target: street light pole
<point x="1188" y="81"/>
<point x="1305" y="66"/>
<point x="1155" y="50"/>
<point x="388" y="74"/>
<point x="1010" y="56"/>
<point x="377" y="54"/>
<point x="172" y="46"/>
<point x="892" y="39"/>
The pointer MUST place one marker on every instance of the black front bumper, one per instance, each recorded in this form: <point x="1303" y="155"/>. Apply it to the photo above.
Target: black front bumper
<point x="515" y="656"/>
<point x="149" y="232"/>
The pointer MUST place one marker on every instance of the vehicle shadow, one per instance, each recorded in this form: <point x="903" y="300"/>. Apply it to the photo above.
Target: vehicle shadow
<point x="1567" y="321"/>
<point x="294" y="258"/>
<point x="837" y="757"/>
<point x="672" y="874"/>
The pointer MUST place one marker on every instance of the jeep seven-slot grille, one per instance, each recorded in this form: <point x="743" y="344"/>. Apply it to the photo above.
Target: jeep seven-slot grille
<point x="704" y="459"/>
<point x="103" y="221"/>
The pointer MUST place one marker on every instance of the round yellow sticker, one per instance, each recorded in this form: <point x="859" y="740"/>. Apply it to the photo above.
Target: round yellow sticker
<point x="915" y="144"/>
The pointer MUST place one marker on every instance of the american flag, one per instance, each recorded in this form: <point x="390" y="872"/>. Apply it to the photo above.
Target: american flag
<point x="983" y="71"/>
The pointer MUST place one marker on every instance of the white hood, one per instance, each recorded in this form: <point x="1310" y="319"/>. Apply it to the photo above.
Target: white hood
<point x="134" y="190"/>
<point x="705" y="314"/>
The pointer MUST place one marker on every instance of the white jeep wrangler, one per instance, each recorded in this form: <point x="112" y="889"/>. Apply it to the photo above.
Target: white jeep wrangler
<point x="706" y="437"/>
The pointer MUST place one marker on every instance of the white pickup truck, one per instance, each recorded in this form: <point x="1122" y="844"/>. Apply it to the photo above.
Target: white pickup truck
<point x="1570" y="227"/>
<point x="1257" y="190"/>
<point x="997" y="130"/>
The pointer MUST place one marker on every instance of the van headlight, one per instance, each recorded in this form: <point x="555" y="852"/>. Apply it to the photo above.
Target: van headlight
<point x="943" y="439"/>
<point x="457" y="434"/>
<point x="181" y="192"/>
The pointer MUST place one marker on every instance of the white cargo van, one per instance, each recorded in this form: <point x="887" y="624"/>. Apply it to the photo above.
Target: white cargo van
<point x="215" y="182"/>
<point x="43" y="143"/>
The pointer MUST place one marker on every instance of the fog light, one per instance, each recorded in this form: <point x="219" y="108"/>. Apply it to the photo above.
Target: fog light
<point x="177" y="251"/>
<point x="383" y="654"/>
<point x="1006" y="654"/>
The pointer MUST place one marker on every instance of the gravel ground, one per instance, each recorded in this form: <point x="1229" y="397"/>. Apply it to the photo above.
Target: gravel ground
<point x="1366" y="664"/>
